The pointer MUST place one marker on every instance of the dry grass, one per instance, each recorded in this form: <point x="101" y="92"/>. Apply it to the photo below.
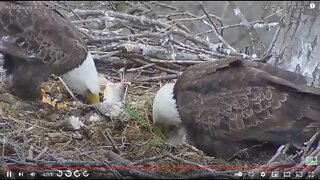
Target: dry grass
<point x="133" y="135"/>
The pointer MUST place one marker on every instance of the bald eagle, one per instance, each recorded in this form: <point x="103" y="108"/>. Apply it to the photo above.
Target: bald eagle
<point x="38" y="40"/>
<point x="223" y="106"/>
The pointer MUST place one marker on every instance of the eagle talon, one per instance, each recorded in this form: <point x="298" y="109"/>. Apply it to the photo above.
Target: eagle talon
<point x="48" y="99"/>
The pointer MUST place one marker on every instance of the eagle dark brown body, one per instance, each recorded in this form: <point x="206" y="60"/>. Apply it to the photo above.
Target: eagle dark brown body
<point x="37" y="41"/>
<point x="230" y="103"/>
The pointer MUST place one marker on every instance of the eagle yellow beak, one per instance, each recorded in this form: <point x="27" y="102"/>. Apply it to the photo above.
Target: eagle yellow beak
<point x="91" y="98"/>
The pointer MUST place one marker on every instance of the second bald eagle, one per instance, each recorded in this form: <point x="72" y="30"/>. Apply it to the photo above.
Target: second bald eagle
<point x="230" y="104"/>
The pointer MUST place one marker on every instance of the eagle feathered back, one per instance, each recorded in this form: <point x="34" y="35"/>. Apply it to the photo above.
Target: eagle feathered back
<point x="36" y="35"/>
<point x="37" y="31"/>
<point x="234" y="100"/>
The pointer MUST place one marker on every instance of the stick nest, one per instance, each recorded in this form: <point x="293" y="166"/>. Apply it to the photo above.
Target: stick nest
<point x="131" y="42"/>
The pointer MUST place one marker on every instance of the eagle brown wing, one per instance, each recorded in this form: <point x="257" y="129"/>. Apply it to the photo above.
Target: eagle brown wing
<point x="235" y="100"/>
<point x="39" y="33"/>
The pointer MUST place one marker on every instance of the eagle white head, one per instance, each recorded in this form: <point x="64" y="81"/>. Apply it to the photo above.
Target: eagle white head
<point x="84" y="80"/>
<point x="166" y="116"/>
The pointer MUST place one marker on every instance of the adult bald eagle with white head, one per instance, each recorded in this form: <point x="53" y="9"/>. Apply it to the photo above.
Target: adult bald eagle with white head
<point x="225" y="106"/>
<point x="38" y="40"/>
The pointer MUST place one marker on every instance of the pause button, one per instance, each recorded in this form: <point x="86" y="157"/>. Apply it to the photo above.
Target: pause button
<point x="9" y="174"/>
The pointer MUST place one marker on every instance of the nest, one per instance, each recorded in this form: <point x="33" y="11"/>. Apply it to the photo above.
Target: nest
<point x="130" y="43"/>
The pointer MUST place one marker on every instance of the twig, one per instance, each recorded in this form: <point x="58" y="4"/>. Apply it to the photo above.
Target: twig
<point x="82" y="21"/>
<point x="200" y="50"/>
<point x="5" y="142"/>
<point x="115" y="157"/>
<point x="113" y="170"/>
<point x="175" y="61"/>
<point x="309" y="144"/>
<point x="216" y="31"/>
<point x="155" y="52"/>
<point x="53" y="157"/>
<point x="30" y="153"/>
<point x="107" y="55"/>
<point x="130" y="37"/>
<point x="156" y="67"/>
<point x="238" y="13"/>
<point x="274" y="39"/>
<point x="184" y="14"/>
<point x="192" y="148"/>
<point x="67" y="88"/>
<point x="18" y="163"/>
<point x="181" y="26"/>
<point x="71" y="10"/>
<point x="157" y="78"/>
<point x="144" y="20"/>
<point x="185" y="19"/>
<point x="166" y="6"/>
<point x="10" y="99"/>
<point x="147" y="160"/>
<point x="279" y="152"/>
<point x="189" y="162"/>
<point x="245" y="23"/>
<point x="207" y="15"/>
<point x="245" y="150"/>
<point x="109" y="137"/>
<point x="24" y="122"/>
<point x="42" y="153"/>
<point x="141" y="68"/>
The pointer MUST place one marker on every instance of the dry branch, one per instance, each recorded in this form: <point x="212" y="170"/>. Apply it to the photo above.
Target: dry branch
<point x="143" y="20"/>
<point x="157" y="78"/>
<point x="138" y="42"/>
<point x="156" y="67"/>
